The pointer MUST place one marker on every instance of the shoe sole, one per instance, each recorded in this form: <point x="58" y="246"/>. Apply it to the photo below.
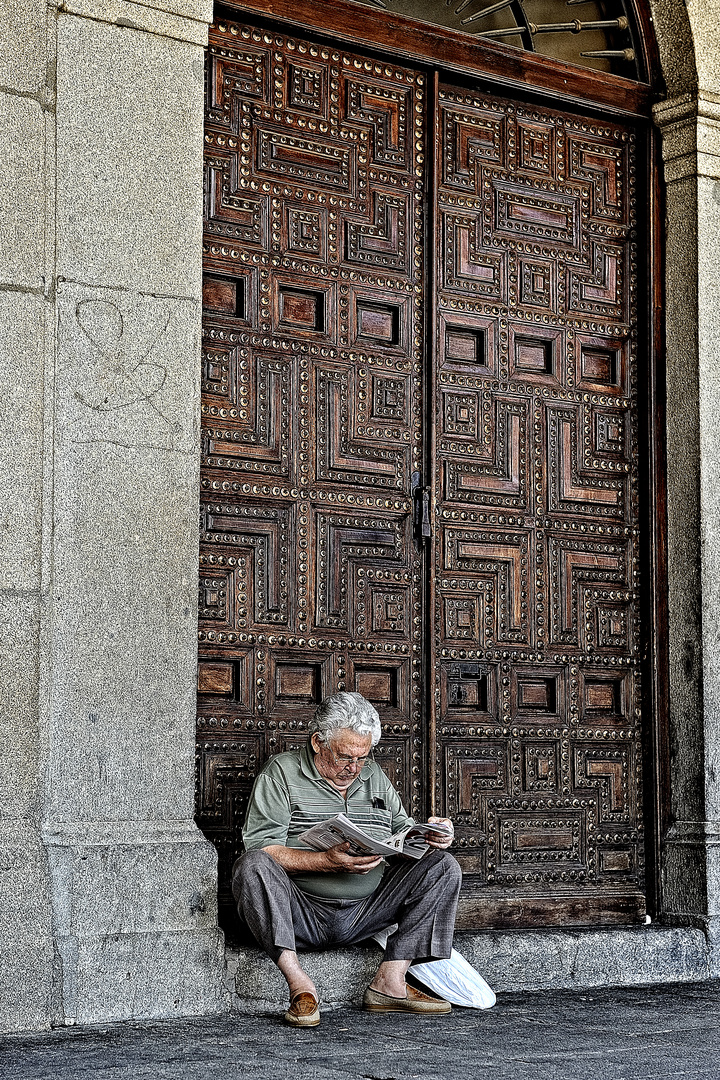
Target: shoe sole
<point x="302" y="1021"/>
<point x="415" y="1011"/>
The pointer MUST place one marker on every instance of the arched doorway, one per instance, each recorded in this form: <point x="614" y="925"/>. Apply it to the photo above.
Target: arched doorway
<point x="426" y="472"/>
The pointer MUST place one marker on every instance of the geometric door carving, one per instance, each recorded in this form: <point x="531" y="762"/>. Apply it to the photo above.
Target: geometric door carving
<point x="502" y="651"/>
<point x="313" y="279"/>
<point x="535" y="626"/>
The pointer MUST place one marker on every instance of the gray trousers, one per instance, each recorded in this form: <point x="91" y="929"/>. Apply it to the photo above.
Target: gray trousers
<point x="420" y="896"/>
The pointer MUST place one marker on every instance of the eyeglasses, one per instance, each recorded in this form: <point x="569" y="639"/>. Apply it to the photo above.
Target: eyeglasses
<point x="342" y="760"/>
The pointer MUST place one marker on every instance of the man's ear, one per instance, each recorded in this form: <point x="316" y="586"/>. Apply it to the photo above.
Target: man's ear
<point x="313" y="743"/>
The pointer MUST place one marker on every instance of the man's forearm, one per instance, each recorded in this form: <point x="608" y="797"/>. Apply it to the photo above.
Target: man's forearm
<point x="333" y="861"/>
<point x="300" y="861"/>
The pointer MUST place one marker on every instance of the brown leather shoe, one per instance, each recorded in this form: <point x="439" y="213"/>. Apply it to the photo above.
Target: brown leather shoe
<point x="303" y="1011"/>
<point x="415" y="1002"/>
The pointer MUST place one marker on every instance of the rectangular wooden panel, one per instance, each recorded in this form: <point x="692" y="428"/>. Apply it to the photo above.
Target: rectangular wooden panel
<point x="536" y="510"/>
<point x="311" y="404"/>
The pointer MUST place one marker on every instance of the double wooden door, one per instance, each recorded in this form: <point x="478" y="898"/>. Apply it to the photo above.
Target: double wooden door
<point x="419" y="474"/>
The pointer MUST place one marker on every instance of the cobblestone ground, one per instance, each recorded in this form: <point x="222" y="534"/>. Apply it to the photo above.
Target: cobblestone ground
<point x="638" y="1034"/>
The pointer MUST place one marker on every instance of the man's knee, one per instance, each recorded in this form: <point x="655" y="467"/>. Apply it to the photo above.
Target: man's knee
<point x="250" y="866"/>
<point x="446" y="865"/>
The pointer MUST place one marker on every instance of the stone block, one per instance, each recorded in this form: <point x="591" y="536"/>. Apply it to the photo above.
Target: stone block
<point x="23" y="45"/>
<point x="125" y="558"/>
<point x="129" y="164"/>
<point x="19" y="732"/>
<point x="143" y="976"/>
<point x="27" y="955"/>
<point x="547" y="959"/>
<point x="22" y="194"/>
<point x="132" y="878"/>
<point x="21" y="439"/>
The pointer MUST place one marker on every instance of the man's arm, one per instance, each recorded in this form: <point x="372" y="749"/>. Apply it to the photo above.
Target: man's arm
<point x="333" y="861"/>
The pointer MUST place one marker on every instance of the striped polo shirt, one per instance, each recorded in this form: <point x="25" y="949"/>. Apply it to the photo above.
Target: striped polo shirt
<point x="290" y="795"/>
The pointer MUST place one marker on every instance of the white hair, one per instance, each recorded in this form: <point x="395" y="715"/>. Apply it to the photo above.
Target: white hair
<point x="346" y="711"/>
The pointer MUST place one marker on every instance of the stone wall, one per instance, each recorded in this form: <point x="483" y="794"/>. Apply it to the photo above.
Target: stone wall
<point x="109" y="888"/>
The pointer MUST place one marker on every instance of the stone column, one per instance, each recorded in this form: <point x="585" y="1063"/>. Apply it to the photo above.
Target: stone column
<point x="26" y="100"/>
<point x="691" y="152"/>
<point x="132" y="881"/>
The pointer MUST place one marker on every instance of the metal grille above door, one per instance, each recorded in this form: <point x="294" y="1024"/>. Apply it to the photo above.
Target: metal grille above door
<point x="324" y="402"/>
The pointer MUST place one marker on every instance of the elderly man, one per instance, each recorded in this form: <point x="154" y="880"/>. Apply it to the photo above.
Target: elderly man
<point x="292" y="897"/>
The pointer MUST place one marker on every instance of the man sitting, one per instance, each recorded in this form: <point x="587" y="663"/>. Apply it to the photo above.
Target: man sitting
<point x="291" y="897"/>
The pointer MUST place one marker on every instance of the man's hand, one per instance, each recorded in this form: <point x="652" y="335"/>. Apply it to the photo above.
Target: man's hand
<point x="437" y="840"/>
<point x="339" y="861"/>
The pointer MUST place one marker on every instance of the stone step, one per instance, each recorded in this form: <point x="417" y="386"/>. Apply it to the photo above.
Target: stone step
<point x="513" y="960"/>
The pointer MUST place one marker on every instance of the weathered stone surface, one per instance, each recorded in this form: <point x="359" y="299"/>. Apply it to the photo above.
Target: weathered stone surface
<point x="155" y="19"/>
<point x="22" y="193"/>
<point x="129" y="127"/>
<point x="27" y="953"/>
<point x="20" y="763"/>
<point x="125" y="558"/>
<point x="133" y="976"/>
<point x="22" y="317"/>
<point x="23" y="45"/>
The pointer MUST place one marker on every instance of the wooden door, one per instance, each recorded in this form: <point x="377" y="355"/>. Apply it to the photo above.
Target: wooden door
<point x="536" y="635"/>
<point x="310" y="579"/>
<point x="501" y="646"/>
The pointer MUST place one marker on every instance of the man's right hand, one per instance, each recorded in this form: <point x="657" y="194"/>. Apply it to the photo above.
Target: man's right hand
<point x="339" y="861"/>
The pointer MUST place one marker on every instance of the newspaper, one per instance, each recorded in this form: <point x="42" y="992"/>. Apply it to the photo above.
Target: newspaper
<point x="340" y="829"/>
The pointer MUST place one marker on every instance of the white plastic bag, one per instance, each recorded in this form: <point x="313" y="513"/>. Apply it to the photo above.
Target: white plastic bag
<point x="456" y="981"/>
<point x="453" y="979"/>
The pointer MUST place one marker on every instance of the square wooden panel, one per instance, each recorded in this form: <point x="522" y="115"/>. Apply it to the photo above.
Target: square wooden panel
<point x="379" y="320"/>
<point x="604" y="697"/>
<point x="390" y="610"/>
<point x="462" y="618"/>
<point x="537" y="354"/>
<point x="298" y="681"/>
<point x="305" y="232"/>
<point x="384" y="682"/>
<point x="537" y="693"/>
<point x="224" y="295"/>
<point x="601" y="364"/>
<point x="468" y="344"/>
<point x="224" y="679"/>
<point x="301" y="309"/>
<point x="468" y="688"/>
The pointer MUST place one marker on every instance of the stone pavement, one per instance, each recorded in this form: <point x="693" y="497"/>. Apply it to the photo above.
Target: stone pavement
<point x="626" y="1034"/>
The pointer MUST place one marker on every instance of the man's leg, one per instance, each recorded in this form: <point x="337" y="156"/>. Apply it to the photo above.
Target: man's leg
<point x="278" y="915"/>
<point x="421" y="897"/>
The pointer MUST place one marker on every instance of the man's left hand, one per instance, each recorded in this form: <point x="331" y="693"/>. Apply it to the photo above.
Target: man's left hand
<point x="438" y="840"/>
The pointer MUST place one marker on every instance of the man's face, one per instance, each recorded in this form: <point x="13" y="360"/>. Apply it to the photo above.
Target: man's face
<point x="341" y="761"/>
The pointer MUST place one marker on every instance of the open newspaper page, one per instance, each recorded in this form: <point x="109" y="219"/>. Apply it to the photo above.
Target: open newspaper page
<point x="340" y="829"/>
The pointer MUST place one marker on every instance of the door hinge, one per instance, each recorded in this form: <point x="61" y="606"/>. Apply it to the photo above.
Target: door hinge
<point x="422" y="497"/>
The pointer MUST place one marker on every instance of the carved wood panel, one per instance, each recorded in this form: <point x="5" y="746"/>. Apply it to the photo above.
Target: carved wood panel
<point x="535" y="622"/>
<point x="313" y="298"/>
